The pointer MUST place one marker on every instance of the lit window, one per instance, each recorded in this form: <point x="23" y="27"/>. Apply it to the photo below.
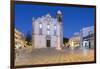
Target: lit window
<point x="40" y="29"/>
<point x="55" y="27"/>
<point x="40" y="25"/>
<point x="48" y="29"/>
<point x="48" y="32"/>
<point x="48" y="26"/>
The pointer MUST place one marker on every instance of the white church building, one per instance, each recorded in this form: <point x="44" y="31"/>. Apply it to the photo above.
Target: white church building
<point x="47" y="31"/>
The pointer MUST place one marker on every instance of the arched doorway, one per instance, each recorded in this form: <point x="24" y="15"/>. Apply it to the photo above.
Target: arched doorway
<point x="48" y="41"/>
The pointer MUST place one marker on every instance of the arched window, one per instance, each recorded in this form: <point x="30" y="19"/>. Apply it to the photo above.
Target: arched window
<point x="40" y="28"/>
<point x="48" y="29"/>
<point x="40" y="25"/>
<point x="48" y="32"/>
<point x="55" y="29"/>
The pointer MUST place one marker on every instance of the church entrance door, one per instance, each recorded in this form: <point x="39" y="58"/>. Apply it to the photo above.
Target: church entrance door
<point x="48" y="43"/>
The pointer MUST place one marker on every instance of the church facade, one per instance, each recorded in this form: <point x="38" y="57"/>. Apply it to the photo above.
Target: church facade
<point x="47" y="31"/>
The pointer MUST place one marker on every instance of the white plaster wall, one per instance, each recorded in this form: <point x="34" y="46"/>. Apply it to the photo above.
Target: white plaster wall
<point x="53" y="41"/>
<point x="36" y="26"/>
<point x="44" y="29"/>
<point x="39" y="41"/>
<point x="52" y="26"/>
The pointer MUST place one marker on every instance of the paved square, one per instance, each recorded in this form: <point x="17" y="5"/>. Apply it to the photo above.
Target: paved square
<point x="51" y="55"/>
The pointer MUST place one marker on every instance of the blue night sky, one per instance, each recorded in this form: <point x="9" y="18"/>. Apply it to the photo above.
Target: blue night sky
<point x="74" y="18"/>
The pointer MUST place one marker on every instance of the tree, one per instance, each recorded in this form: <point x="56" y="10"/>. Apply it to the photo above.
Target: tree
<point x="29" y="38"/>
<point x="65" y="40"/>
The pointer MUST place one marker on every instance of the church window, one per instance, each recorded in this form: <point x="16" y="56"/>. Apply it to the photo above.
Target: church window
<point x="55" y="29"/>
<point x="40" y="28"/>
<point x="48" y="29"/>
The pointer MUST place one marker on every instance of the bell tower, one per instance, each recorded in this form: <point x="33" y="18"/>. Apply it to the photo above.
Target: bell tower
<point x="60" y="30"/>
<point x="59" y="16"/>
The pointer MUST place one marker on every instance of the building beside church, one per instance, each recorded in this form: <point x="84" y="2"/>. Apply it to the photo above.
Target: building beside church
<point x="19" y="39"/>
<point x="83" y="39"/>
<point x="87" y="37"/>
<point x="74" y="41"/>
<point x="47" y="31"/>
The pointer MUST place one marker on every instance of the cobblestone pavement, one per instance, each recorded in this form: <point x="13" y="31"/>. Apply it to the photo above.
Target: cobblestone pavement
<point x="51" y="55"/>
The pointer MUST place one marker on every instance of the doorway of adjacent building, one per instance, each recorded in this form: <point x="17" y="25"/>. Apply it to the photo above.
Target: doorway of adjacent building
<point x="48" y="43"/>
